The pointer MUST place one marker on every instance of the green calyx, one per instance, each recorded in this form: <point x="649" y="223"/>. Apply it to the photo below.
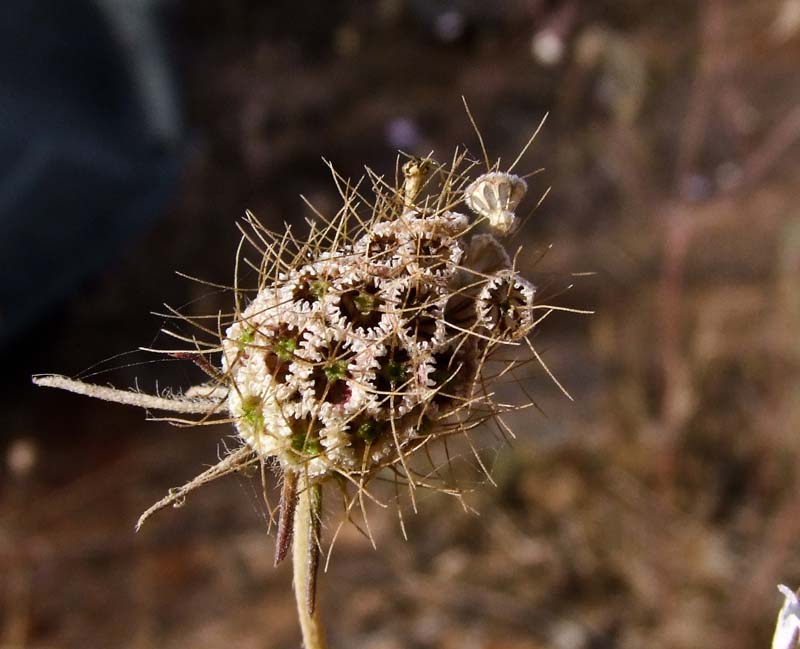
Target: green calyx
<point x="252" y="414"/>
<point x="394" y="372"/>
<point x="364" y="302"/>
<point x="305" y="444"/>
<point x="368" y="431"/>
<point x="246" y="338"/>
<point x="336" y="371"/>
<point x="318" y="288"/>
<point x="285" y="348"/>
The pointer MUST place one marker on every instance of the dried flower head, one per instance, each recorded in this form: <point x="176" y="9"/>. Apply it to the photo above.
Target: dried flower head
<point x="364" y="343"/>
<point x="496" y="196"/>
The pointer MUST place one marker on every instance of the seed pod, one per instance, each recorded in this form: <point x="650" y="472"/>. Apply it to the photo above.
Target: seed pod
<point x="495" y="196"/>
<point x="505" y="305"/>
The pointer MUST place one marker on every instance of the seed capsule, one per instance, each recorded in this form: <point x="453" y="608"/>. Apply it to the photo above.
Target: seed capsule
<point x="495" y="196"/>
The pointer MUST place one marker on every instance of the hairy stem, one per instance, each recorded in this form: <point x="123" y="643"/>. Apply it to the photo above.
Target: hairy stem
<point x="286" y="515"/>
<point x="305" y="559"/>
<point x="128" y="397"/>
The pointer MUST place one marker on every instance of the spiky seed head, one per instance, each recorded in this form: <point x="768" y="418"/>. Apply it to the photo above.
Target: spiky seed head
<point x="373" y="339"/>
<point x="340" y="365"/>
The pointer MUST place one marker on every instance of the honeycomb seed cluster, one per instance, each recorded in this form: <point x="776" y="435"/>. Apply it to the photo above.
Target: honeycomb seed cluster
<point x="360" y="352"/>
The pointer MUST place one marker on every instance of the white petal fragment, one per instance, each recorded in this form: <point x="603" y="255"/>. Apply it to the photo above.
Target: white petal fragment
<point x="787" y="628"/>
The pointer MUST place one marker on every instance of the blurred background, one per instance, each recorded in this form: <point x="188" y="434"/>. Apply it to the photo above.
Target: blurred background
<point x="659" y="510"/>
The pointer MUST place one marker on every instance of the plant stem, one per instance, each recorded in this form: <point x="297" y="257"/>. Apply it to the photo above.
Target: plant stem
<point x="286" y="515"/>
<point x="305" y="559"/>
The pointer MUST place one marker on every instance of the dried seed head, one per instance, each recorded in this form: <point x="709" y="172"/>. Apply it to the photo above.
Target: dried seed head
<point x="373" y="339"/>
<point x="330" y="365"/>
<point x="337" y="365"/>
<point x="505" y="305"/>
<point x="495" y="196"/>
<point x="340" y="362"/>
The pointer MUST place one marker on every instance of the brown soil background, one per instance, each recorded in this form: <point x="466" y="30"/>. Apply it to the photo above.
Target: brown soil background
<point x="659" y="510"/>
